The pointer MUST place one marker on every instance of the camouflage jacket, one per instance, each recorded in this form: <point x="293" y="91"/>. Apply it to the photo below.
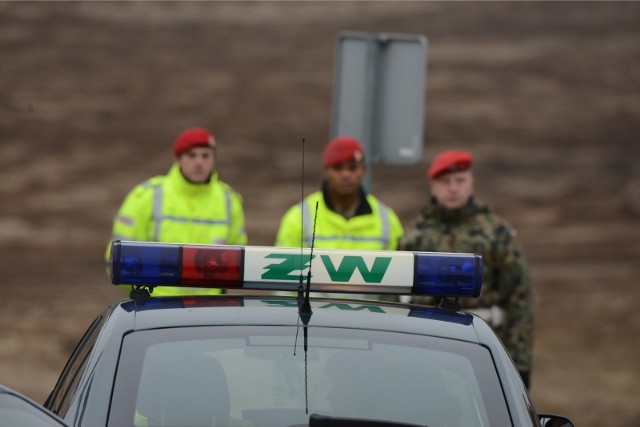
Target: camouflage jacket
<point x="506" y="282"/>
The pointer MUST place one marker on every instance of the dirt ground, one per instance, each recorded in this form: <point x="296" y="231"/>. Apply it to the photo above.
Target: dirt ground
<point x="546" y="94"/>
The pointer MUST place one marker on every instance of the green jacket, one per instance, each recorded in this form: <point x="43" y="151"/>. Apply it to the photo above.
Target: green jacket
<point x="506" y="291"/>
<point x="168" y="208"/>
<point x="375" y="226"/>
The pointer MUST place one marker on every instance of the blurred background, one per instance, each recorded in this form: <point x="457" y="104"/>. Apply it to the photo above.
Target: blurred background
<point x="545" y="94"/>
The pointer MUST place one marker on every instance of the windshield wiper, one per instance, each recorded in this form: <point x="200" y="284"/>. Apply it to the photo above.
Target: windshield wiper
<point x="317" y="420"/>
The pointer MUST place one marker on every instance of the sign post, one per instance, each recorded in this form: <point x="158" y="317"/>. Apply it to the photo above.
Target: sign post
<point x="379" y="92"/>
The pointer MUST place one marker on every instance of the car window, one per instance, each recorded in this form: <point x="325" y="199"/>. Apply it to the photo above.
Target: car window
<point x="262" y="376"/>
<point x="65" y="388"/>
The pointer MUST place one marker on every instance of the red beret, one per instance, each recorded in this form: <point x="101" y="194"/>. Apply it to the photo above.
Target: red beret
<point x="194" y="137"/>
<point x="342" y="149"/>
<point x="450" y="161"/>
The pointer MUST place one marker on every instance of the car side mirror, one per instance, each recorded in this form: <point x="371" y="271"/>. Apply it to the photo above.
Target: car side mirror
<point x="547" y="420"/>
<point x="18" y="410"/>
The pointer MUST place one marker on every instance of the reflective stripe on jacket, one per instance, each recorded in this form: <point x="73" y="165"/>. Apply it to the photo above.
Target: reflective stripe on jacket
<point x="378" y="230"/>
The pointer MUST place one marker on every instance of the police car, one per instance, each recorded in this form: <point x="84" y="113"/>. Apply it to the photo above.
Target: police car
<point x="251" y="358"/>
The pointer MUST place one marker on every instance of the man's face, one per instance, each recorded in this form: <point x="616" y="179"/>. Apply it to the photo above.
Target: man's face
<point x="197" y="164"/>
<point x="452" y="190"/>
<point x="344" y="179"/>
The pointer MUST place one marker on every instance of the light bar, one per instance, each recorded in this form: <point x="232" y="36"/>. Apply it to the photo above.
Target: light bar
<point x="279" y="269"/>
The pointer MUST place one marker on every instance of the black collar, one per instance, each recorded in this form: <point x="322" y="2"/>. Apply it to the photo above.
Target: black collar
<point x="364" y="207"/>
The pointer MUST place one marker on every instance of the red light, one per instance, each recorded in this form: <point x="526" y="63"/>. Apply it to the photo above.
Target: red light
<point x="215" y="301"/>
<point x="210" y="266"/>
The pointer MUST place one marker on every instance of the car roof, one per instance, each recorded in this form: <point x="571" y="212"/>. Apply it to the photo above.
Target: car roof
<point x="173" y="312"/>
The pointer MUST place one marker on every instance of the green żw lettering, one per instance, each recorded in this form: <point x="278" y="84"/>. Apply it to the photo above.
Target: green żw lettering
<point x="350" y="263"/>
<point x="347" y="307"/>
<point x="284" y="269"/>
<point x="280" y="303"/>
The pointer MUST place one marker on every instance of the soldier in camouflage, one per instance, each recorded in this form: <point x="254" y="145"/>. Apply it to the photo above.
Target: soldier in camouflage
<point x="453" y="221"/>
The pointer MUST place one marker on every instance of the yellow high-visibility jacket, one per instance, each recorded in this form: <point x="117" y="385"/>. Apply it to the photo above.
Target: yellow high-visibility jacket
<point x="168" y="208"/>
<point x="374" y="227"/>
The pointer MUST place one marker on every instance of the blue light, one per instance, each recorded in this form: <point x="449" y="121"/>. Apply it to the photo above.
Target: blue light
<point x="151" y="264"/>
<point x="448" y="274"/>
<point x="444" y="315"/>
<point x="154" y="304"/>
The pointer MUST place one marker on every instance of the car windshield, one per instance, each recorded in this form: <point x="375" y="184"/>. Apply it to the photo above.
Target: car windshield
<point x="262" y="376"/>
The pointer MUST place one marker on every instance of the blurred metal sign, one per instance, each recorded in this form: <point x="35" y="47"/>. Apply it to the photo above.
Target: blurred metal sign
<point x="379" y="92"/>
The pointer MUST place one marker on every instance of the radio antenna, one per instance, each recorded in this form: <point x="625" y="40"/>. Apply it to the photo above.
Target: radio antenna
<point x="304" y="306"/>
<point x="301" y="278"/>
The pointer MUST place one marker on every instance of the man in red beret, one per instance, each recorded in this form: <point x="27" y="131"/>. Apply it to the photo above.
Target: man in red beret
<point x="347" y="218"/>
<point x="454" y="221"/>
<point x="190" y="204"/>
